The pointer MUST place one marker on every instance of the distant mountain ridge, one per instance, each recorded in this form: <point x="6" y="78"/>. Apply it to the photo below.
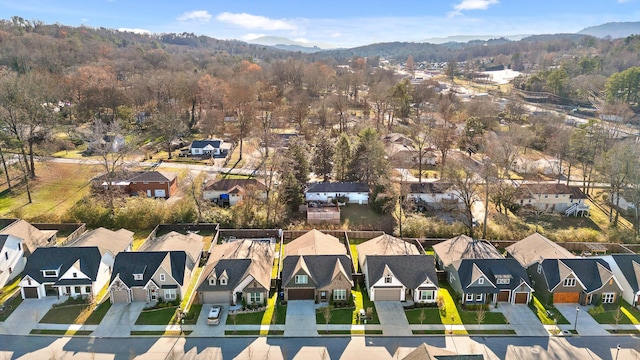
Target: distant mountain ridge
<point x="291" y="45"/>
<point x="467" y="38"/>
<point x="613" y="29"/>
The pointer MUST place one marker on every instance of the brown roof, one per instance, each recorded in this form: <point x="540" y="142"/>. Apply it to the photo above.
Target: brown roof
<point x="153" y="176"/>
<point x="32" y="237"/>
<point x="436" y="187"/>
<point x="526" y="191"/>
<point x="230" y="184"/>
<point x="114" y="241"/>
<point x="315" y="242"/>
<point x="174" y="241"/>
<point x="464" y="247"/>
<point x="536" y="247"/>
<point x="385" y="245"/>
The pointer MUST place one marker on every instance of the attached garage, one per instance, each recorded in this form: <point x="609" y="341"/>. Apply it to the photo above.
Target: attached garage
<point x="301" y="294"/>
<point x="30" y="292"/>
<point x="383" y="294"/>
<point x="140" y="294"/>
<point x="566" y="297"/>
<point x="521" y="297"/>
<point x="119" y="296"/>
<point x="215" y="297"/>
<point x="503" y="295"/>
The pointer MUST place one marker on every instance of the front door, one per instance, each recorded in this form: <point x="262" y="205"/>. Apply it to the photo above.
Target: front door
<point x="154" y="294"/>
<point x="323" y="296"/>
<point x="148" y="193"/>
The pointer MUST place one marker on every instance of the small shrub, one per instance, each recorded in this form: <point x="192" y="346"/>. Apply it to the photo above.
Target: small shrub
<point x="596" y="310"/>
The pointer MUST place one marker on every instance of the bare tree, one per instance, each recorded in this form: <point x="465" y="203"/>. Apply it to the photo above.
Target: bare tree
<point x="481" y="313"/>
<point x="465" y="185"/>
<point x="326" y="312"/>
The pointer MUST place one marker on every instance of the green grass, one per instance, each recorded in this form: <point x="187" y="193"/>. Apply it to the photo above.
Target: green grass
<point x="337" y="332"/>
<point x="156" y="316"/>
<point x="540" y="310"/>
<point x="66" y="314"/>
<point x="139" y="236"/>
<point x="338" y="316"/>
<point x="192" y="315"/>
<point x="429" y="332"/>
<point x="362" y="217"/>
<point x="8" y="290"/>
<point x="432" y="316"/>
<point x="96" y="316"/>
<point x="362" y="301"/>
<point x="10" y="306"/>
<point x="491" y="332"/>
<point x="160" y="333"/>
<point x="608" y="316"/>
<point x="631" y="312"/>
<point x="60" y="332"/>
<point x="450" y="315"/>
<point x="626" y="332"/>
<point x="276" y="262"/>
<point x="242" y="332"/>
<point x="251" y="318"/>
<point x="185" y="303"/>
<point x="275" y="332"/>
<point x="471" y="317"/>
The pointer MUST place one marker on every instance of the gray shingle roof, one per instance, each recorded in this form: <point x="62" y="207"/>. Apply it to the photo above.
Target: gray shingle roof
<point x="3" y="240"/>
<point x="321" y="267"/>
<point x="625" y="263"/>
<point x="410" y="270"/>
<point x="341" y="187"/>
<point x="585" y="269"/>
<point x="198" y="144"/>
<point x="492" y="268"/>
<point x="235" y="269"/>
<point x="62" y="258"/>
<point x="229" y="184"/>
<point x="464" y="247"/>
<point x="536" y="247"/>
<point x="129" y="263"/>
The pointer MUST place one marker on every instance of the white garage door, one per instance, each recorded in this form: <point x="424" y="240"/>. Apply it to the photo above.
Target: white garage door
<point x="387" y="294"/>
<point x="161" y="193"/>
<point x="216" y="297"/>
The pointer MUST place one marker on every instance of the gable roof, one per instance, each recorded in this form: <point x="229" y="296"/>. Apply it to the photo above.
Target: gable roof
<point x="114" y="241"/>
<point x="526" y="191"/>
<point x="629" y="265"/>
<point x="61" y="259"/>
<point x="385" y="245"/>
<point x="592" y="273"/>
<point x="428" y="352"/>
<point x="236" y="270"/>
<point x="535" y="248"/>
<point x="199" y="144"/>
<point x="464" y="247"/>
<point x="174" y="241"/>
<point x="153" y="176"/>
<point x="435" y="187"/>
<point x="32" y="237"/>
<point x="410" y="270"/>
<point x="470" y="270"/>
<point x="340" y="187"/>
<point x="242" y="249"/>
<point x="320" y="268"/>
<point x="233" y="184"/>
<point x="128" y="263"/>
<point x="315" y="242"/>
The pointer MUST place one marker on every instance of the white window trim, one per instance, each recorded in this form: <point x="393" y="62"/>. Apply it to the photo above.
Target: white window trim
<point x="162" y="277"/>
<point x="137" y="276"/>
<point x="340" y="294"/>
<point x="223" y="281"/>
<point x="469" y="297"/>
<point x="608" y="298"/>
<point x="481" y="281"/>
<point x="569" y="282"/>
<point x="299" y="279"/>
<point x="479" y="297"/>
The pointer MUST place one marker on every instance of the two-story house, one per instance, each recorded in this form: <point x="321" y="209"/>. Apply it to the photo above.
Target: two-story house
<point x="12" y="259"/>
<point x="569" y="200"/>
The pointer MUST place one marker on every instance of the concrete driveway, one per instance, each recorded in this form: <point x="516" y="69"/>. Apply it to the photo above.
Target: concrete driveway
<point x="301" y="318"/>
<point x="586" y="324"/>
<point x="201" y="329"/>
<point x="119" y="320"/>
<point x="392" y="318"/>
<point x="27" y="315"/>
<point x="523" y="321"/>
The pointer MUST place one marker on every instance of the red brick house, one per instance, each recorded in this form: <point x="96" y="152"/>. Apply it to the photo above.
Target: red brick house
<point x="158" y="184"/>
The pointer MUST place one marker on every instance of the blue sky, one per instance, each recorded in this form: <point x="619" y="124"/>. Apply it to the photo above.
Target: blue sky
<point x="339" y="23"/>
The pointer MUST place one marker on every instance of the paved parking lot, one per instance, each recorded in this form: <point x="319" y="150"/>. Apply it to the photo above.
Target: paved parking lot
<point x="392" y="318"/>
<point x="301" y="318"/>
<point x="27" y="316"/>
<point x="119" y="320"/>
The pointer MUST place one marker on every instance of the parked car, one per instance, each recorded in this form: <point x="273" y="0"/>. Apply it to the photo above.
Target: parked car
<point x="214" y="315"/>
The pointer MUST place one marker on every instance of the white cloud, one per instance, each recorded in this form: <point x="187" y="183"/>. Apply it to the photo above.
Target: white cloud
<point x="335" y="35"/>
<point x="252" y="36"/>
<point x="474" y="5"/>
<point x="135" y="31"/>
<point x="249" y="21"/>
<point x="302" y="40"/>
<point x="196" y="15"/>
<point x="84" y="20"/>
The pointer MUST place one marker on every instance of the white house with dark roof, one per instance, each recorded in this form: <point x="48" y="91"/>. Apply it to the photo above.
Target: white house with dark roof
<point x="401" y="278"/>
<point x="209" y="148"/>
<point x="326" y="192"/>
<point x="12" y="259"/>
<point x="626" y="269"/>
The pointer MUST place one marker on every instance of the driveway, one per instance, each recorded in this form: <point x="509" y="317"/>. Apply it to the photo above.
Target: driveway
<point x="27" y="315"/>
<point x="201" y="329"/>
<point x="523" y="321"/>
<point x="586" y="324"/>
<point x="119" y="320"/>
<point x="301" y="318"/>
<point x="392" y="318"/>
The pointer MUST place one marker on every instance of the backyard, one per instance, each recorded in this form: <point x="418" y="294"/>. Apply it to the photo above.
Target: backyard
<point x="362" y="217"/>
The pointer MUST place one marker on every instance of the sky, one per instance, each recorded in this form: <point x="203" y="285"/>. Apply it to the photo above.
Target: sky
<point x="335" y="23"/>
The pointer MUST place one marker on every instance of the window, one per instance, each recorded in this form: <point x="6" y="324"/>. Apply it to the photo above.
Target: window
<point x="301" y="279"/>
<point x="162" y="277"/>
<point x="426" y="295"/>
<point x="479" y="297"/>
<point x="388" y="279"/>
<point x="212" y="281"/>
<point x="6" y="255"/>
<point x="539" y="268"/>
<point x="451" y="278"/>
<point x="75" y="274"/>
<point x="77" y="290"/>
<point x="556" y="196"/>
<point x="569" y="282"/>
<point x="51" y="273"/>
<point x="469" y="297"/>
<point x="68" y="290"/>
<point x="137" y="276"/>
<point x="503" y="281"/>
<point x="255" y="297"/>
<point x="29" y="282"/>
<point x="170" y="294"/>
<point x="323" y="295"/>
<point x="481" y="281"/>
<point x="223" y="281"/>
<point x="340" y="294"/>
<point x="87" y="289"/>
<point x="608" y="298"/>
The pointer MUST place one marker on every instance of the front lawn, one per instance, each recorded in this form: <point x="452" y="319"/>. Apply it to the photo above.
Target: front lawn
<point x="161" y="316"/>
<point x="250" y="318"/>
<point x="471" y="317"/>
<point x="431" y="316"/>
<point x="462" y="316"/>
<point x="546" y="314"/>
<point x="338" y="316"/>
<point x="607" y="314"/>
<point x="72" y="311"/>
<point x="362" y="301"/>
<point x="99" y="313"/>
<point x="9" y="306"/>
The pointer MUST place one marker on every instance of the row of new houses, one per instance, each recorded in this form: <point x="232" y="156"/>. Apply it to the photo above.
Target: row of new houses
<point x="317" y="266"/>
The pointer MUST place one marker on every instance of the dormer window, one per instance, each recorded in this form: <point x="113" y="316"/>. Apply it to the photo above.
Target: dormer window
<point x="503" y="281"/>
<point x="223" y="281"/>
<point x="388" y="279"/>
<point x="137" y="276"/>
<point x="50" y="273"/>
<point x="212" y="281"/>
<point x="481" y="281"/>
<point x="75" y="274"/>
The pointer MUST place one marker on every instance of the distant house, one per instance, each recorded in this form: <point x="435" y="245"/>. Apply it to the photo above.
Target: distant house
<point x="580" y="280"/>
<point x="157" y="184"/>
<point x="488" y="281"/>
<point x="114" y="241"/>
<point x="434" y="195"/>
<point x="237" y="272"/>
<point x="535" y="248"/>
<point x="349" y="192"/>
<point x="315" y="242"/>
<point x="569" y="200"/>
<point x="65" y="271"/>
<point x="463" y="247"/>
<point x="545" y="166"/>
<point x="231" y="191"/>
<point x="323" y="278"/>
<point x="626" y="269"/>
<point x="12" y="259"/>
<point x="209" y="148"/>
<point x="149" y="276"/>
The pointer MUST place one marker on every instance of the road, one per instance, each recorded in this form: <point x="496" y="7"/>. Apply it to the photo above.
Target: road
<point x="498" y="347"/>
